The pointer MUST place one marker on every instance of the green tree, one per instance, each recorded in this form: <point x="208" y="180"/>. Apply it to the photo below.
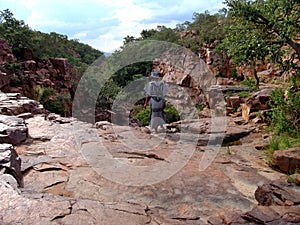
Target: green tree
<point x="148" y="33"/>
<point x="204" y="29"/>
<point x="129" y="73"/>
<point x="44" y="45"/>
<point x="209" y="27"/>
<point x="16" y="32"/>
<point x="260" y="29"/>
<point x="128" y="39"/>
<point x="165" y="34"/>
<point x="161" y="33"/>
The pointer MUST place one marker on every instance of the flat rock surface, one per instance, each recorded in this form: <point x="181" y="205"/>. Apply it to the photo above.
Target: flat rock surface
<point x="170" y="178"/>
<point x="50" y="209"/>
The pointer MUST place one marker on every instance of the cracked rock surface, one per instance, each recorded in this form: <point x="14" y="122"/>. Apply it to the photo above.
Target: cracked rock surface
<point x="64" y="180"/>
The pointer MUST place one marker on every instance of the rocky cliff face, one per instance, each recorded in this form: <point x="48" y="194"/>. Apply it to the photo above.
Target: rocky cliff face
<point x="6" y="55"/>
<point x="223" y="68"/>
<point x="26" y="75"/>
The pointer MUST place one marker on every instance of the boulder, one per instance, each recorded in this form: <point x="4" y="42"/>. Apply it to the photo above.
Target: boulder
<point x="273" y="215"/>
<point x="232" y="104"/>
<point x="233" y="101"/>
<point x="259" y="101"/>
<point x="278" y="204"/>
<point x="4" y="79"/>
<point x="27" y="54"/>
<point x="276" y="194"/>
<point x="62" y="65"/>
<point x="13" y="130"/>
<point x="30" y="65"/>
<point x="183" y="78"/>
<point x="6" y="55"/>
<point x="224" y="81"/>
<point x="15" y="104"/>
<point x="10" y="163"/>
<point x="287" y="160"/>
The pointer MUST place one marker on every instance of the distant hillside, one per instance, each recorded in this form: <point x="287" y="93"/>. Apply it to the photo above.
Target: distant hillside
<point x="43" y="45"/>
<point x="106" y="54"/>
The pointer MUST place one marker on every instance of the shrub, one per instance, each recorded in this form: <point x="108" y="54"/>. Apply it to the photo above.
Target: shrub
<point x="15" y="81"/>
<point x="171" y="113"/>
<point x="52" y="101"/>
<point x="108" y="93"/>
<point x="281" y="142"/>
<point x="285" y="112"/>
<point x="200" y="107"/>
<point x="58" y="104"/>
<point x="250" y="83"/>
<point x="292" y="177"/>
<point x="38" y="93"/>
<point x="244" y="94"/>
<point x="233" y="73"/>
<point x="143" y="115"/>
<point x="12" y="66"/>
<point x="136" y="109"/>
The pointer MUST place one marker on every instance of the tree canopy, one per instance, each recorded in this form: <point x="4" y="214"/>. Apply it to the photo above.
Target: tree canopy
<point x="263" y="30"/>
<point x="44" y="45"/>
<point x="15" y="32"/>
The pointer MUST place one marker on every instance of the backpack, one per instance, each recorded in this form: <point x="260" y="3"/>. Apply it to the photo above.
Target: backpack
<point x="157" y="104"/>
<point x="157" y="89"/>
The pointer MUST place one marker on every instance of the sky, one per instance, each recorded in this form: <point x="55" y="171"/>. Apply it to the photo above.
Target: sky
<point x="103" y="24"/>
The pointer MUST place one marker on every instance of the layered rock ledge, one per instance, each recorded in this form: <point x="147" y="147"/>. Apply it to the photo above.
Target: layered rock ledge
<point x="66" y="180"/>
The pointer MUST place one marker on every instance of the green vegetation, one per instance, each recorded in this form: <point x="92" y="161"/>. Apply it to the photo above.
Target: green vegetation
<point x="53" y="101"/>
<point x="59" y="104"/>
<point x="262" y="30"/>
<point x="131" y="72"/>
<point x="285" y="121"/>
<point x="266" y="31"/>
<point x="200" y="107"/>
<point x="108" y="93"/>
<point x="161" y="33"/>
<point x="204" y="29"/>
<point x="281" y="142"/>
<point x="244" y="94"/>
<point x="228" y="150"/>
<point x="15" y="32"/>
<point x="171" y="113"/>
<point x="250" y="83"/>
<point x="143" y="115"/>
<point x="208" y="28"/>
<point x="246" y="32"/>
<point x="43" y="45"/>
<point x="291" y="177"/>
<point x="285" y="111"/>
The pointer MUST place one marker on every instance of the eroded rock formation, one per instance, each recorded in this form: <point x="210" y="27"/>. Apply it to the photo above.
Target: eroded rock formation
<point x="62" y="183"/>
<point x="31" y="73"/>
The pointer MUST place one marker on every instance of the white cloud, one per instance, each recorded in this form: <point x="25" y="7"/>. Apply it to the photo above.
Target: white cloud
<point x="80" y="35"/>
<point x="104" y="23"/>
<point x="106" y="43"/>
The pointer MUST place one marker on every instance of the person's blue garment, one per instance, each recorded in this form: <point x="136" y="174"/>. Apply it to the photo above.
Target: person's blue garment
<point x="157" y="114"/>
